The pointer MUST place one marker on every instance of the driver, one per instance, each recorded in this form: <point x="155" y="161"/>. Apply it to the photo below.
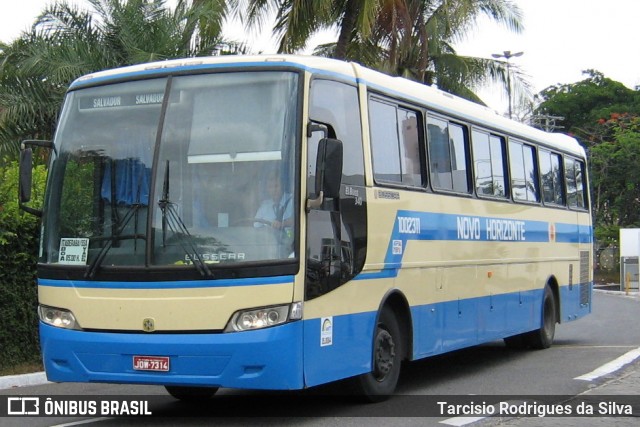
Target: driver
<point x="277" y="210"/>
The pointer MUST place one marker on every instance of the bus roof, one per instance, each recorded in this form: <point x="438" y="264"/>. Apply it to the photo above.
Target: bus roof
<point x="420" y="94"/>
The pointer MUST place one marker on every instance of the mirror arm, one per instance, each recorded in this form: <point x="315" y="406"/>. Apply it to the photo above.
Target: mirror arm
<point x="315" y="203"/>
<point x="32" y="211"/>
<point x="317" y="127"/>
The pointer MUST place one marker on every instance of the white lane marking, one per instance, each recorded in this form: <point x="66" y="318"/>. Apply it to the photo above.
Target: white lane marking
<point x="461" y="421"/>
<point x="87" y="421"/>
<point x="612" y="366"/>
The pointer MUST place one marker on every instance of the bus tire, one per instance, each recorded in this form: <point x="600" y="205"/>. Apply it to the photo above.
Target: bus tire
<point x="543" y="338"/>
<point x="380" y="383"/>
<point x="191" y="394"/>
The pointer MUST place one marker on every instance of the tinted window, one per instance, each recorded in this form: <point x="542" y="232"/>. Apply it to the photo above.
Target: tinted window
<point x="524" y="179"/>
<point x="574" y="177"/>
<point x="488" y="156"/>
<point x="551" y="175"/>
<point x="395" y="143"/>
<point x="497" y="146"/>
<point x="384" y="142"/>
<point x="448" y="155"/>
<point x="409" y="148"/>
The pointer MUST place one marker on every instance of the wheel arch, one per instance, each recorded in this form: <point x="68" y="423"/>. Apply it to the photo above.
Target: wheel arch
<point x="552" y="282"/>
<point x="397" y="302"/>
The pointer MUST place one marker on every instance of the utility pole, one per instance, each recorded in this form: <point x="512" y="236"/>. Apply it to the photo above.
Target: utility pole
<point x="547" y="122"/>
<point x="508" y="55"/>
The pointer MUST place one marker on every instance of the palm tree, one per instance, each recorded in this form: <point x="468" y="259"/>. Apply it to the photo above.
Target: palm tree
<point x="411" y="38"/>
<point x="66" y="42"/>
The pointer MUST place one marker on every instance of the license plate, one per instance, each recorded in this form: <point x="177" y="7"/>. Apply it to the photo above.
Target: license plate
<point x="151" y="363"/>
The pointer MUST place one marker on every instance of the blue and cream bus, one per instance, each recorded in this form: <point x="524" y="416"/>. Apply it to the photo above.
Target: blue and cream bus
<point x="279" y="222"/>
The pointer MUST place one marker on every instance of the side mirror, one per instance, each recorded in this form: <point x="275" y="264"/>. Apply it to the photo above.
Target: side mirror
<point x="328" y="171"/>
<point x="26" y="173"/>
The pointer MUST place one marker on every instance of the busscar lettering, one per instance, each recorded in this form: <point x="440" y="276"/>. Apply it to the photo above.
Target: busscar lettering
<point x="231" y="256"/>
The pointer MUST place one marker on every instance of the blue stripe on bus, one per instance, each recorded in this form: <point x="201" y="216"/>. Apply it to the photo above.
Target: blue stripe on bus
<point x="167" y="285"/>
<point x="415" y="225"/>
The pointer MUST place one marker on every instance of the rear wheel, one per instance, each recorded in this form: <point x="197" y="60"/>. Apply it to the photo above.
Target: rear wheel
<point x="191" y="394"/>
<point x="380" y="383"/>
<point x="540" y="338"/>
<point x="543" y="338"/>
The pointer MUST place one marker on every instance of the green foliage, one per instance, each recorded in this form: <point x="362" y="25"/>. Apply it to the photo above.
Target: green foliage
<point x="615" y="175"/>
<point x="409" y="38"/>
<point x="67" y="42"/>
<point x="19" y="234"/>
<point x="604" y="115"/>
<point x="585" y="104"/>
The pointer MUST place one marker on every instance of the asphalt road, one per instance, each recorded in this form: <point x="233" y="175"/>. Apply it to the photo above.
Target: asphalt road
<point x="612" y="330"/>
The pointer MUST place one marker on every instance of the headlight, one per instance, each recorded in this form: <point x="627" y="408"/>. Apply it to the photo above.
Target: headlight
<point x="264" y="317"/>
<point x="57" y="317"/>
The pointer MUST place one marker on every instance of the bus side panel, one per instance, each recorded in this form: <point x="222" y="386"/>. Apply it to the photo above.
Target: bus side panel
<point x="572" y="301"/>
<point x="337" y="347"/>
<point x="452" y="325"/>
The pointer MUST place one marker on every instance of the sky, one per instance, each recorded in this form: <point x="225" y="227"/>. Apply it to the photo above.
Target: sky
<point x="561" y="38"/>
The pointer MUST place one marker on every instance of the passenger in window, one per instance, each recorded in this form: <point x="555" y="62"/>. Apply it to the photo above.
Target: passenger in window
<point x="277" y="210"/>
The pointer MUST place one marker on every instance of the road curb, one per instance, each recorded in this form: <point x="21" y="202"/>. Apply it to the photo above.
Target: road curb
<point x="12" y="381"/>
<point x="632" y="294"/>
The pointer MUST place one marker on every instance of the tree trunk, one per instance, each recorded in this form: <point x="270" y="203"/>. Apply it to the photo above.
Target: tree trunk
<point x="346" y="30"/>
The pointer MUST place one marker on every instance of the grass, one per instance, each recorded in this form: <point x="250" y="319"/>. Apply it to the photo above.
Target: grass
<point x="22" y="368"/>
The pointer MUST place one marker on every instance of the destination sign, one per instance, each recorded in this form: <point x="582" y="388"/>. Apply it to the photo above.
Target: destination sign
<point x="124" y="100"/>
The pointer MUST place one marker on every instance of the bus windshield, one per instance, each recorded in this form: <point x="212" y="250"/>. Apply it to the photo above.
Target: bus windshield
<point x="187" y="170"/>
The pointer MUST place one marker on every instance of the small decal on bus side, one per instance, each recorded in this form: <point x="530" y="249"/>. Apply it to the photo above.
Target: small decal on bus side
<point x="326" y="331"/>
<point x="397" y="247"/>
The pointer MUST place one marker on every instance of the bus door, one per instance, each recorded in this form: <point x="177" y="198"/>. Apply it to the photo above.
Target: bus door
<point x="336" y="239"/>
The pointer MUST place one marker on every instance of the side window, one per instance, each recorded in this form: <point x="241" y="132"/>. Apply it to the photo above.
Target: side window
<point x="395" y="143"/>
<point x="448" y="155"/>
<point x="581" y="198"/>
<point x="410" y="147"/>
<point x="488" y="154"/>
<point x="497" y="145"/>
<point x="336" y="230"/>
<point x="524" y="177"/>
<point x="551" y="175"/>
<point x="574" y="177"/>
<point x="384" y="142"/>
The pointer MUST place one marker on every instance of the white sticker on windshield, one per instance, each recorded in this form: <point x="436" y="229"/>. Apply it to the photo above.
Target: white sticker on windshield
<point x="73" y="251"/>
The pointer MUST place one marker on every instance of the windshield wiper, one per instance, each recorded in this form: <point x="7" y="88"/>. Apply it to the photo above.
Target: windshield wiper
<point x="117" y="236"/>
<point x="171" y="219"/>
<point x="118" y="226"/>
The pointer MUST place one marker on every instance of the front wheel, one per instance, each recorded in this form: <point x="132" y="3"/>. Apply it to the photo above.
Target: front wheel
<point x="380" y="383"/>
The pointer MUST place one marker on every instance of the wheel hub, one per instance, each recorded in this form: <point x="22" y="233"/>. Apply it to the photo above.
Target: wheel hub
<point x="384" y="355"/>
